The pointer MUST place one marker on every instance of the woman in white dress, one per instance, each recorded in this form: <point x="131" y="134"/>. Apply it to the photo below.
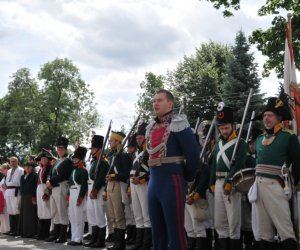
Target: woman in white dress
<point x="4" y="217"/>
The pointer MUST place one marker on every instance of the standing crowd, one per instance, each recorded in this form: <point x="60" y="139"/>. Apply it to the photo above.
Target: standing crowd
<point x="157" y="193"/>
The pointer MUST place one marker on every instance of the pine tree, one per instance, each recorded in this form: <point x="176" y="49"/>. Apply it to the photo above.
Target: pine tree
<point x="242" y="74"/>
<point x="198" y="78"/>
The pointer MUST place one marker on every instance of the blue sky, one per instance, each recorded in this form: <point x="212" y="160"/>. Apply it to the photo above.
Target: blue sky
<point x="114" y="43"/>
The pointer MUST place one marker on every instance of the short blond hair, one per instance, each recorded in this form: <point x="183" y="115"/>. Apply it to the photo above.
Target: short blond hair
<point x="5" y="166"/>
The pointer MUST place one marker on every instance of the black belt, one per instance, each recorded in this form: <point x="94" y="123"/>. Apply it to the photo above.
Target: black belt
<point x="12" y="187"/>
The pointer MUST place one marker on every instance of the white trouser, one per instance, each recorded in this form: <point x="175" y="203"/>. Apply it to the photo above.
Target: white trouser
<point x="127" y="206"/>
<point x="272" y="209"/>
<point x="43" y="207"/>
<point x="140" y="205"/>
<point x="13" y="204"/>
<point x="254" y="223"/>
<point x="211" y="207"/>
<point x="58" y="204"/>
<point x="76" y="214"/>
<point x="96" y="209"/>
<point x="227" y="212"/>
<point x="197" y="220"/>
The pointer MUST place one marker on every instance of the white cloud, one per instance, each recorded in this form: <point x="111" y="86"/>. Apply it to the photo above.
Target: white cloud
<point x="114" y="43"/>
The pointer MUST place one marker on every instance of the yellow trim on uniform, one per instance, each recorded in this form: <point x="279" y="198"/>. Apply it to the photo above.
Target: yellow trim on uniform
<point x="278" y="127"/>
<point x="116" y="136"/>
<point x="232" y="136"/>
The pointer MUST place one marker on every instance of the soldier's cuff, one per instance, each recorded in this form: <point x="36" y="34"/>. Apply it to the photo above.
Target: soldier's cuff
<point x="228" y="187"/>
<point x="196" y="196"/>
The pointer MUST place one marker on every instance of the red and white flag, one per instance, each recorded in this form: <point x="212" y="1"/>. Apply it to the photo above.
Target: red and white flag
<point x="290" y="81"/>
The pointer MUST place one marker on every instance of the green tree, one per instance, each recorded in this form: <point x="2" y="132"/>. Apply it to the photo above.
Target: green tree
<point x="271" y="41"/>
<point x="199" y="78"/>
<point x="67" y="101"/>
<point x="20" y="114"/>
<point x="242" y="74"/>
<point x="149" y="86"/>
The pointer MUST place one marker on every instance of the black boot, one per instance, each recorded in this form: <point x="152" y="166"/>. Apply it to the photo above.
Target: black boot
<point x="17" y="225"/>
<point x="120" y="243"/>
<point x="12" y="225"/>
<point x="209" y="238"/>
<point x="40" y="235"/>
<point x="46" y="228"/>
<point x="69" y="231"/>
<point x="62" y="234"/>
<point x="147" y="245"/>
<point x="267" y="245"/>
<point x="138" y="240"/>
<point x="100" y="238"/>
<point x="290" y="244"/>
<point x="216" y="240"/>
<point x="110" y="237"/>
<point x="201" y="243"/>
<point x="93" y="238"/>
<point x="223" y="244"/>
<point x="191" y="242"/>
<point x="255" y="245"/>
<point x="55" y="233"/>
<point x="235" y="244"/>
<point x="131" y="234"/>
<point x="248" y="240"/>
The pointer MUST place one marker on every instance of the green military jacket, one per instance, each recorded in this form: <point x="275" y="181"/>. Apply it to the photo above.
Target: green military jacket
<point x="283" y="148"/>
<point x="81" y="178"/>
<point x="99" y="177"/>
<point x="218" y="164"/>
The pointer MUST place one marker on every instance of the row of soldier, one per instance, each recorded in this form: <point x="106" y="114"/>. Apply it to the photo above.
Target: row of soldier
<point x="161" y="190"/>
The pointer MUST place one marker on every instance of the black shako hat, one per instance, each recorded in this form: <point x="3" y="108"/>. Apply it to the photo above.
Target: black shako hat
<point x="142" y="129"/>
<point x="278" y="105"/>
<point x="80" y="153"/>
<point x="132" y="141"/>
<point x="224" y="114"/>
<point x="44" y="153"/>
<point x="62" y="142"/>
<point x="97" y="141"/>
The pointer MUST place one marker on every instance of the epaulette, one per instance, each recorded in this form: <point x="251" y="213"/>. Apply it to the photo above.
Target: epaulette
<point x="179" y="123"/>
<point x="288" y="131"/>
<point x="148" y="128"/>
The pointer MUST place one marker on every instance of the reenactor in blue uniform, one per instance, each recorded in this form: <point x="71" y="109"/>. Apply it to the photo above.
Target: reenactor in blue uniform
<point x="78" y="186"/>
<point x="227" y="200"/>
<point x="173" y="158"/>
<point x="96" y="206"/>
<point x="275" y="148"/>
<point x="57" y="183"/>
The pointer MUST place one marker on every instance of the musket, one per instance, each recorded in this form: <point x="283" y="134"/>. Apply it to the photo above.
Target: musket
<point x="123" y="144"/>
<point x="241" y="128"/>
<point x="204" y="147"/>
<point x="197" y="125"/>
<point x="207" y="137"/>
<point x="103" y="148"/>
<point x="181" y="106"/>
<point x="250" y="126"/>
